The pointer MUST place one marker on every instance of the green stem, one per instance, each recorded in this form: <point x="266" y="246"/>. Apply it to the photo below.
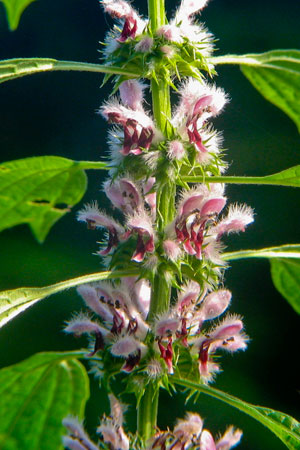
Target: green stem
<point x="16" y="68"/>
<point x="267" y="180"/>
<point x="160" y="296"/>
<point x="157" y="15"/>
<point x="147" y="412"/>
<point x="99" y="165"/>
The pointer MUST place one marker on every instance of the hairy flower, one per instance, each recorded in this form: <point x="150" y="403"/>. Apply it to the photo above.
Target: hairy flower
<point x="228" y="335"/>
<point x="196" y="208"/>
<point x="141" y="224"/>
<point x="120" y="9"/>
<point x="95" y="218"/>
<point x="189" y="433"/>
<point x="132" y="94"/>
<point x="124" y="194"/>
<point x="137" y="125"/>
<point x="77" y="438"/>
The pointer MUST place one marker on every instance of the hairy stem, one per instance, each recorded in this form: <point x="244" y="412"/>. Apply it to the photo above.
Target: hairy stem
<point x="160" y="296"/>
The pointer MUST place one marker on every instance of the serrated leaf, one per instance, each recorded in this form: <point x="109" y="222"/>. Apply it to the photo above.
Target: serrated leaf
<point x="39" y="191"/>
<point x="286" y="278"/>
<point x="284" y="426"/>
<point x="15" y="301"/>
<point x="14" y="10"/>
<point x="11" y="69"/>
<point x="275" y="74"/>
<point x="36" y="394"/>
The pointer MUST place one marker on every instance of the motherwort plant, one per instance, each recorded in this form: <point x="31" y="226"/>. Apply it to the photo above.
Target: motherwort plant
<point x="159" y="316"/>
<point x="174" y="314"/>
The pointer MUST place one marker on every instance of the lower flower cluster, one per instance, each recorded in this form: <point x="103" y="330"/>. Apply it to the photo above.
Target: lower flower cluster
<point x="121" y="329"/>
<point x="188" y="434"/>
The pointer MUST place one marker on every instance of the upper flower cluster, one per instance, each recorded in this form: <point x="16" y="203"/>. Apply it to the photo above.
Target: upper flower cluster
<point x="184" y="43"/>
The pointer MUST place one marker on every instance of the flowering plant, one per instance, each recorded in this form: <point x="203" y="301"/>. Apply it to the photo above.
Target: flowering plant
<point x="158" y="317"/>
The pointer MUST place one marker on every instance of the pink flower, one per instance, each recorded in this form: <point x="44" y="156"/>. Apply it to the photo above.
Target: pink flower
<point x="97" y="218"/>
<point x="150" y="195"/>
<point x="229" y="439"/>
<point x="176" y="150"/>
<point x="77" y="439"/>
<point x="213" y="305"/>
<point x="172" y="249"/>
<point x="132" y="94"/>
<point x="228" y="335"/>
<point x="166" y="354"/>
<point x="141" y="224"/>
<point x="111" y="427"/>
<point x="187" y="297"/>
<point x="238" y="217"/>
<point x="144" y="45"/>
<point x="189" y="7"/>
<point x="130" y="349"/>
<point x="170" y="33"/>
<point x="120" y="9"/>
<point x="166" y="325"/>
<point x="188" y="430"/>
<point x="196" y="207"/>
<point x="199" y="102"/>
<point x="124" y="194"/>
<point x="138" y="127"/>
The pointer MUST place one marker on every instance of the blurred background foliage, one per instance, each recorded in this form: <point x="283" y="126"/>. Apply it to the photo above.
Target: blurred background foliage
<point x="55" y="114"/>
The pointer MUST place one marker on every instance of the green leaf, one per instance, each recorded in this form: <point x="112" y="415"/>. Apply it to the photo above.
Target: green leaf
<point x="36" y="394"/>
<point x="15" y="301"/>
<point x="286" y="278"/>
<point x="289" y="177"/>
<point x="14" y="10"/>
<point x="11" y="69"/>
<point x="282" y="251"/>
<point x="39" y="191"/>
<point x="285" y="427"/>
<point x="275" y="74"/>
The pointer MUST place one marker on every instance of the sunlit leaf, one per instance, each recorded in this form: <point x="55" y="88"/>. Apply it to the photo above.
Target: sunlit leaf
<point x="39" y="191"/>
<point x="36" y="394"/>
<point x="282" y="251"/>
<point x="14" y="10"/>
<point x="289" y="177"/>
<point x="286" y="278"/>
<point x="11" y="69"/>
<point x="275" y="74"/>
<point x="15" y="301"/>
<point x="284" y="426"/>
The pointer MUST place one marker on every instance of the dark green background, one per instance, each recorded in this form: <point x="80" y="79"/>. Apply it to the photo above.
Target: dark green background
<point x="55" y="114"/>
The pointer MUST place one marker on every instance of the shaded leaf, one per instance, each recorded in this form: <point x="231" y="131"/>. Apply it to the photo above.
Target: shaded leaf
<point x="14" y="10"/>
<point x="39" y="191"/>
<point x="11" y="69"/>
<point x="285" y="268"/>
<point x="15" y="301"/>
<point x="284" y="426"/>
<point x="275" y="74"/>
<point x="286" y="278"/>
<point x="36" y="394"/>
